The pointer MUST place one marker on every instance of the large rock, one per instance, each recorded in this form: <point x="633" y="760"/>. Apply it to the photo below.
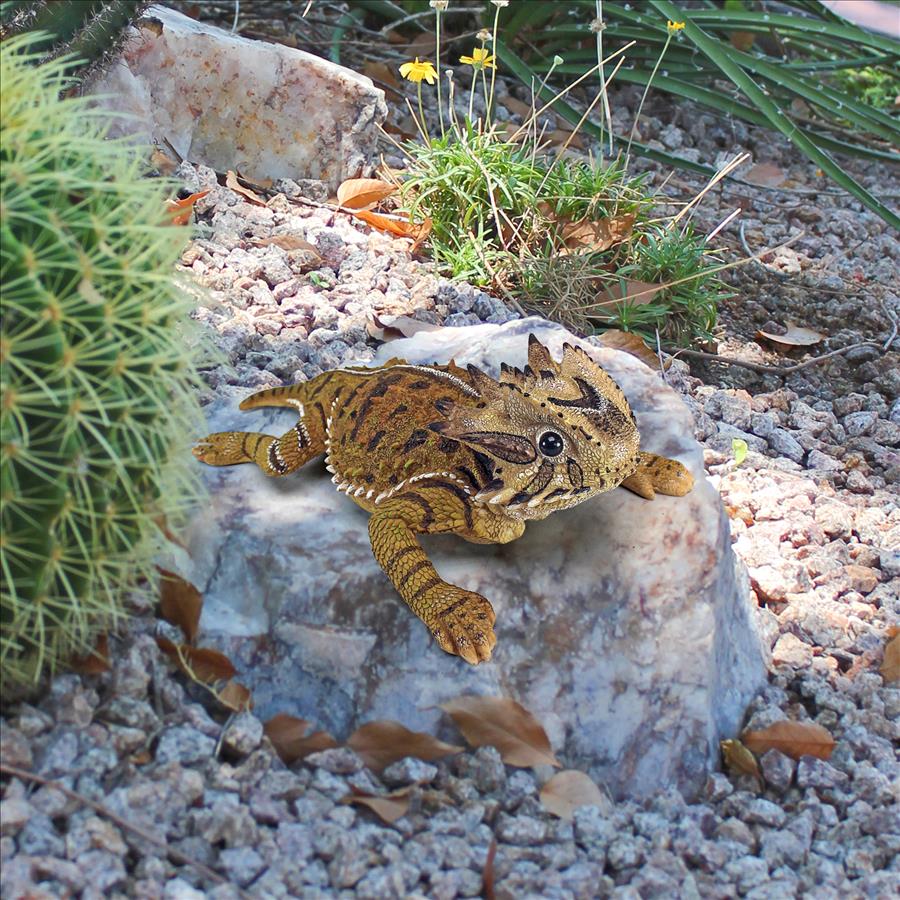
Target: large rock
<point x="623" y="624"/>
<point x="264" y="109"/>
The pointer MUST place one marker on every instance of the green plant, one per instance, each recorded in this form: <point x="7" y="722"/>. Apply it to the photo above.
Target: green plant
<point x="875" y="86"/>
<point x="553" y="234"/>
<point x="775" y="62"/>
<point x="743" y="61"/>
<point x="96" y="368"/>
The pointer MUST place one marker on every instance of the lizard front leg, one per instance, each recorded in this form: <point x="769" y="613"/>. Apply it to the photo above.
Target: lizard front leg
<point x="461" y="621"/>
<point x="659" y="473"/>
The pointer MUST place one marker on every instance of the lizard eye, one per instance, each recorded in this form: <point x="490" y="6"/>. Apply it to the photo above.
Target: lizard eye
<point x="550" y="444"/>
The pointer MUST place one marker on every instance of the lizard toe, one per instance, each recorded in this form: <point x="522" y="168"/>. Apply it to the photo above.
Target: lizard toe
<point x="466" y="629"/>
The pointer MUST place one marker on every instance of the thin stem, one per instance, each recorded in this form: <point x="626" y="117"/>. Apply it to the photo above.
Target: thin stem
<point x="644" y="97"/>
<point x="438" y="56"/>
<point x="472" y="92"/>
<point x="422" y="112"/>
<point x="490" y="99"/>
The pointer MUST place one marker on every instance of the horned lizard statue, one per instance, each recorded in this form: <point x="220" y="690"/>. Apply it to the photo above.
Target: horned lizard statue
<point x="430" y="449"/>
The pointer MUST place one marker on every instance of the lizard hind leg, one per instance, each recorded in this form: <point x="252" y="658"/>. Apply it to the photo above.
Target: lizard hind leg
<point x="659" y="474"/>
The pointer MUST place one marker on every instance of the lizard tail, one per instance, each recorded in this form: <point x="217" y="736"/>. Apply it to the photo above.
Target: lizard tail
<point x="292" y="395"/>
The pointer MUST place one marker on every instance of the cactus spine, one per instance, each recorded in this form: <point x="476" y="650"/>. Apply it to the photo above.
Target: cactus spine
<point x="97" y="378"/>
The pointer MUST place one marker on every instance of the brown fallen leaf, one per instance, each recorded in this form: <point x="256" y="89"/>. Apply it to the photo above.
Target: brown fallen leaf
<point x="795" y="739"/>
<point x="739" y="760"/>
<point x="201" y="664"/>
<point x="487" y="876"/>
<point x="181" y="211"/>
<point x="381" y="72"/>
<point x="890" y="666"/>
<point x="399" y="225"/>
<point x="503" y="723"/>
<point x="765" y="175"/>
<point x="264" y="184"/>
<point x="290" y="740"/>
<point x="596" y="235"/>
<point x="560" y="136"/>
<point x="629" y="343"/>
<point x="163" y="162"/>
<point x="180" y="604"/>
<point x="231" y="181"/>
<point x="742" y="40"/>
<point x="97" y="661"/>
<point x="388" y="807"/>
<point x="514" y="105"/>
<point x="235" y="696"/>
<point x="288" y="242"/>
<point x="794" y="336"/>
<point x="390" y="328"/>
<point x="363" y="193"/>
<point x="568" y="790"/>
<point x="635" y="293"/>
<point x="381" y="743"/>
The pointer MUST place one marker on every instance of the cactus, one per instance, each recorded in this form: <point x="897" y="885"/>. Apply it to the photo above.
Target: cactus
<point x="97" y="370"/>
<point x="87" y="32"/>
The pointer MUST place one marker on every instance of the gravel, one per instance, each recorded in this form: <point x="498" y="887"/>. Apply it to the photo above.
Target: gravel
<point x="815" y="517"/>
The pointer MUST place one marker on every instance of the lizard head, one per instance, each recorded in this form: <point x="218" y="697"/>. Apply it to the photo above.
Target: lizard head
<point x="555" y="433"/>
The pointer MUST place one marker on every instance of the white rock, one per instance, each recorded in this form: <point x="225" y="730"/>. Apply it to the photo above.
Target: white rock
<point x="623" y="625"/>
<point x="232" y="103"/>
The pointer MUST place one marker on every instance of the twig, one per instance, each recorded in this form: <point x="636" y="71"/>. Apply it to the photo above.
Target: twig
<point x="179" y="857"/>
<point x="782" y="370"/>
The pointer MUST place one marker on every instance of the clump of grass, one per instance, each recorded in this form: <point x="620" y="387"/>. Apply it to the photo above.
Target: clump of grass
<point x="561" y="236"/>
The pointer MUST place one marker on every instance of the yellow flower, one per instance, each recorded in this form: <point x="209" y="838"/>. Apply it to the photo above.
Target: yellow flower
<point x="480" y="59"/>
<point x="674" y="26"/>
<point x="419" y="71"/>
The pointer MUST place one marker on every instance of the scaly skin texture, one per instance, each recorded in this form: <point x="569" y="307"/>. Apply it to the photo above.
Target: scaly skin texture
<point x="437" y="449"/>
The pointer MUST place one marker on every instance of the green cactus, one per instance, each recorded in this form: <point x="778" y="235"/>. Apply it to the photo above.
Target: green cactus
<point x="97" y="368"/>
<point x="88" y="32"/>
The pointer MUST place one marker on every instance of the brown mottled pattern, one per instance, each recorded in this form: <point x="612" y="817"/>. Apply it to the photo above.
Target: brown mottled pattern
<point x="431" y="449"/>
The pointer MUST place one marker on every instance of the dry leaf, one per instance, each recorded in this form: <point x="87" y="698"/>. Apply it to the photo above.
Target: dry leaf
<point x="890" y="667"/>
<point x="381" y="743"/>
<point x="765" y="174"/>
<point x="561" y="136"/>
<point x="287" y="242"/>
<point x="390" y="328"/>
<point x="636" y="293"/>
<point x="795" y="739"/>
<point x="163" y="162"/>
<point x="200" y="664"/>
<point x="398" y="225"/>
<point x="383" y="73"/>
<point x="739" y="760"/>
<point x="502" y="723"/>
<point x="421" y="45"/>
<point x="181" y="210"/>
<point x="568" y="790"/>
<point x="519" y="107"/>
<point x="289" y="738"/>
<point x="231" y="181"/>
<point x="794" y="336"/>
<point x="388" y="807"/>
<point x="596" y="235"/>
<point x="629" y="343"/>
<point x="235" y="696"/>
<point x="264" y="184"/>
<point x="363" y="193"/>
<point x="180" y="604"/>
<point x="487" y="877"/>
<point x="742" y="40"/>
<point x="97" y="661"/>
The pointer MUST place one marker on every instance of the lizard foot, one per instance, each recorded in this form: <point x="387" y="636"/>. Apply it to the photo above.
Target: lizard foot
<point x="465" y="628"/>
<point x="224" y="448"/>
